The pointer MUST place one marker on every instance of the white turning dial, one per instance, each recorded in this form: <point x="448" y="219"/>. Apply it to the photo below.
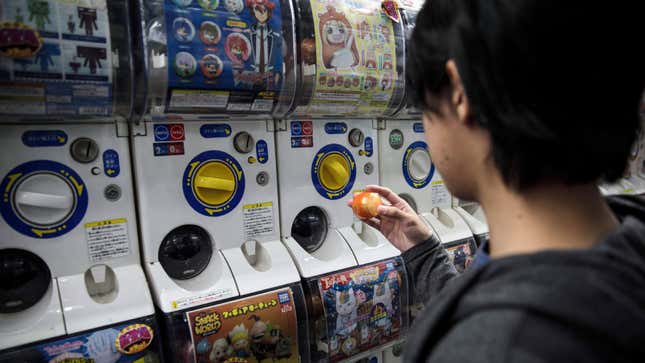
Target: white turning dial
<point x="420" y="164"/>
<point x="44" y="199"/>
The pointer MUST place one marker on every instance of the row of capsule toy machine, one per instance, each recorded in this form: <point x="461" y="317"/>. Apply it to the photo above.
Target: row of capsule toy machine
<point x="71" y="284"/>
<point x="350" y="67"/>
<point x="205" y="165"/>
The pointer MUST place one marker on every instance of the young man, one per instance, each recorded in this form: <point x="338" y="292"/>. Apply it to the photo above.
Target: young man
<point x="527" y="105"/>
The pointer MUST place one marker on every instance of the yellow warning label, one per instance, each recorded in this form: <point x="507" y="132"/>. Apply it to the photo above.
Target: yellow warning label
<point x="258" y="205"/>
<point x="105" y="223"/>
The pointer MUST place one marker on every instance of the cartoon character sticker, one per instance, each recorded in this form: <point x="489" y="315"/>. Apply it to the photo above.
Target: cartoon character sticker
<point x="238" y="49"/>
<point x="211" y="66"/>
<point x="255" y="329"/>
<point x="183" y="30"/>
<point x="234" y="6"/>
<point x="338" y="47"/>
<point x="185" y="65"/>
<point x="210" y="33"/>
<point x="362" y="308"/>
<point x="263" y="38"/>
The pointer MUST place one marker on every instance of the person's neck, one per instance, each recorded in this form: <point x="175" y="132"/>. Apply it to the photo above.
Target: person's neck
<point x="546" y="217"/>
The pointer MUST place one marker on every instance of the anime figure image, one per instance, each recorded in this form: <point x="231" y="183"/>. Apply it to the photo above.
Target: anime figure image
<point x="346" y="306"/>
<point x="370" y="58"/>
<point x="257" y="333"/>
<point x="283" y="348"/>
<point x="460" y="258"/>
<point x="221" y="351"/>
<point x="370" y="82"/>
<point x="87" y="17"/>
<point x="365" y="334"/>
<point x="208" y="4"/>
<point x="183" y="29"/>
<point x="38" y="12"/>
<point x="349" y="346"/>
<point x="239" y="338"/>
<point x="93" y="57"/>
<point x="185" y="65"/>
<point x="385" y="33"/>
<point x="71" y="25"/>
<point x="386" y="82"/>
<point x="211" y="66"/>
<point x="237" y="48"/>
<point x="364" y="31"/>
<point x="44" y="56"/>
<point x="263" y="38"/>
<point x="338" y="46"/>
<point x="209" y="33"/>
<point x="234" y="6"/>
<point x="382" y="304"/>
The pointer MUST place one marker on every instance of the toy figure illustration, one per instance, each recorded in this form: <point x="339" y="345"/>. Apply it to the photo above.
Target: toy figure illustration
<point x="87" y="17"/>
<point x="208" y="4"/>
<point x="203" y="347"/>
<point x="257" y="333"/>
<point x="75" y="65"/>
<point x="221" y="351"/>
<point x="365" y="31"/>
<point x="338" y="45"/>
<point x="234" y="6"/>
<point x="383" y="295"/>
<point x="211" y="66"/>
<point x="185" y="65"/>
<point x="92" y="57"/>
<point x="71" y="25"/>
<point x="283" y="348"/>
<point x="385" y="33"/>
<point x="346" y="309"/>
<point x="365" y="334"/>
<point x="209" y="33"/>
<point x="183" y="29"/>
<point x="263" y="38"/>
<point x="370" y="82"/>
<point x="370" y="59"/>
<point x="459" y="258"/>
<point x="237" y="49"/>
<point x="386" y="82"/>
<point x="349" y="346"/>
<point x="38" y="12"/>
<point x="239" y="338"/>
<point x="19" y="18"/>
<point x="44" y="56"/>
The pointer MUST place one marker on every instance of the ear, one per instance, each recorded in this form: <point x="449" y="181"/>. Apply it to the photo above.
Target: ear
<point x="457" y="95"/>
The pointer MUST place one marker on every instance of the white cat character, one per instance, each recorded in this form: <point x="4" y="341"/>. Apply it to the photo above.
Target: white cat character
<point x="346" y="306"/>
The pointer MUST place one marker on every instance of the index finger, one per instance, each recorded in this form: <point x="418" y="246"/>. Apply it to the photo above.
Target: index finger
<point x="386" y="193"/>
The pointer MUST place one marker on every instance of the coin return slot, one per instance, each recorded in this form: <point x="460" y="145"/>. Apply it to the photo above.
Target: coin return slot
<point x="256" y="255"/>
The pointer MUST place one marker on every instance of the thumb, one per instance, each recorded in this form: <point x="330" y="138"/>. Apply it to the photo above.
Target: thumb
<point x="390" y="211"/>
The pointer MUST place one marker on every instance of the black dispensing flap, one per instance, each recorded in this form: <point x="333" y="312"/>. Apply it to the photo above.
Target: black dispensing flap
<point x="24" y="280"/>
<point x="185" y="252"/>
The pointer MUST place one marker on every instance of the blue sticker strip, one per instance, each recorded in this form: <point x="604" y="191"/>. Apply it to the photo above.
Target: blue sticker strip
<point x="188" y="183"/>
<point x="369" y="147"/>
<point x="15" y="177"/>
<point x="335" y="128"/>
<point x="417" y="127"/>
<point x="262" y="151"/>
<point x="215" y="131"/>
<point x="111" y="165"/>
<point x="44" y="138"/>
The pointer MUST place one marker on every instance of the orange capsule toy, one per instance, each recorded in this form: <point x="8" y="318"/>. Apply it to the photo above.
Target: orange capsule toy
<point x="365" y="205"/>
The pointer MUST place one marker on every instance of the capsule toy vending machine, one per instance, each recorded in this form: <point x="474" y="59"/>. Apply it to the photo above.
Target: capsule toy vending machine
<point x="224" y="285"/>
<point x="71" y="284"/>
<point x="349" y="72"/>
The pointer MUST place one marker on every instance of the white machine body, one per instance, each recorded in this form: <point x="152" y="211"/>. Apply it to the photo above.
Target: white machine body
<point x="79" y="218"/>
<point x="165" y="172"/>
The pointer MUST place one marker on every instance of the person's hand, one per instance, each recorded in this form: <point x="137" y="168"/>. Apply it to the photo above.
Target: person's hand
<point x="398" y="222"/>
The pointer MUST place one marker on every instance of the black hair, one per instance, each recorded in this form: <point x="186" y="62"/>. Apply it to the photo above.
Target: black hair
<point x="556" y="83"/>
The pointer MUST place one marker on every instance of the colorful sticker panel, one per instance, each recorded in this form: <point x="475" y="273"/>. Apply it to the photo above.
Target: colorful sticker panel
<point x="62" y="63"/>
<point x="231" y="48"/>
<point x="254" y="329"/>
<point x="362" y="307"/>
<point x="356" y="56"/>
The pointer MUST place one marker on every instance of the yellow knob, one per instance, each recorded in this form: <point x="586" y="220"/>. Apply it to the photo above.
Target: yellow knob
<point x="334" y="172"/>
<point x="214" y="183"/>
